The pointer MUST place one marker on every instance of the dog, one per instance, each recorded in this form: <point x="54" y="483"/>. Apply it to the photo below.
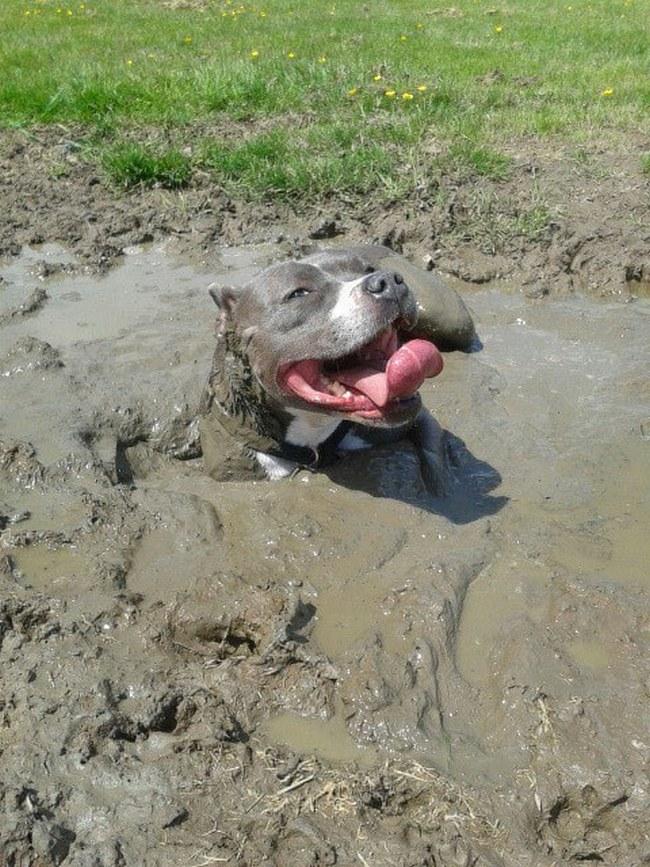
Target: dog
<point x="321" y="354"/>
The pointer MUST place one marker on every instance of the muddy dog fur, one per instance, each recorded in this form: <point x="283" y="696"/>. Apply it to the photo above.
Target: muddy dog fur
<point x="324" y="307"/>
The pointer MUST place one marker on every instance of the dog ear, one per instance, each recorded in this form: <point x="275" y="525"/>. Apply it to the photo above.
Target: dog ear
<point x="224" y="297"/>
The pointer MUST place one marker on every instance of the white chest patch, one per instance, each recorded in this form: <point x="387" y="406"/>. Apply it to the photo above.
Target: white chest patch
<point x="309" y="428"/>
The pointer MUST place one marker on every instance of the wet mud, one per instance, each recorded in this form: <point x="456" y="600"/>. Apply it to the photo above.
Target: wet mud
<point x="364" y="666"/>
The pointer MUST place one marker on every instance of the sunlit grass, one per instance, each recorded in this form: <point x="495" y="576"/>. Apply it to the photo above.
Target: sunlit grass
<point x="483" y="161"/>
<point x="347" y="91"/>
<point x="281" y="164"/>
<point x="131" y="165"/>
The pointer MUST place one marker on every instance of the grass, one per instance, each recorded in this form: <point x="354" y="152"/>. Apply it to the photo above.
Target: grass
<point x="324" y="96"/>
<point x="131" y="165"/>
<point x="481" y="161"/>
<point x="280" y="163"/>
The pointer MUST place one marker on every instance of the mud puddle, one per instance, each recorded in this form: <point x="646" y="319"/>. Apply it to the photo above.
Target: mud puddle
<point x="327" y="738"/>
<point x="338" y="668"/>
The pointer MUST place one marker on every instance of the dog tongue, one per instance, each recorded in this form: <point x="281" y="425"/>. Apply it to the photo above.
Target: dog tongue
<point x="405" y="372"/>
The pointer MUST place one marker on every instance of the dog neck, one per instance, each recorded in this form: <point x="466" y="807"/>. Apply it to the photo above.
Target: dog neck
<point x="236" y="405"/>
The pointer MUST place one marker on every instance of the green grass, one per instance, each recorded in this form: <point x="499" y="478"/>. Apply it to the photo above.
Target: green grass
<point x="131" y="165"/>
<point x="286" y="165"/>
<point x="487" y="162"/>
<point x="470" y="79"/>
<point x="645" y="163"/>
<point x="482" y="161"/>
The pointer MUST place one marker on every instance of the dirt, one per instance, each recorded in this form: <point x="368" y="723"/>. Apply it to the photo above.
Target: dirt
<point x="339" y="668"/>
<point x="566" y="219"/>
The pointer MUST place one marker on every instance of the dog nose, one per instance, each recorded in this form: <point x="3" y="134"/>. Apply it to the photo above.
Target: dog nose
<point x="384" y="283"/>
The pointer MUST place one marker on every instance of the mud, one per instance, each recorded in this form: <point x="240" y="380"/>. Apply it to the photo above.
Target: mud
<point x="340" y="668"/>
<point x="566" y="219"/>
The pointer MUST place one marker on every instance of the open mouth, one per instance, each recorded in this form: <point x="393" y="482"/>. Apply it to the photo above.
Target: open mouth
<point x="373" y="382"/>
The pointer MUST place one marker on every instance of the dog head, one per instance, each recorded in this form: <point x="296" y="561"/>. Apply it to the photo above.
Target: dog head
<point x="329" y="334"/>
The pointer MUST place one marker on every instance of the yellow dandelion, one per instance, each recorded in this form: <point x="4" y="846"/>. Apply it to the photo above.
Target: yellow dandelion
<point x="403" y="38"/>
<point x="419" y="26"/>
<point x="187" y="40"/>
<point x="254" y="54"/>
<point x="498" y="28"/>
<point x="376" y="77"/>
<point x="390" y="94"/>
<point x="322" y="59"/>
<point x="290" y="55"/>
<point x="353" y="91"/>
<point x="27" y="12"/>
<point x="421" y="87"/>
<point x="609" y="91"/>
<point x="262" y="14"/>
<point x="129" y="63"/>
<point x="407" y="96"/>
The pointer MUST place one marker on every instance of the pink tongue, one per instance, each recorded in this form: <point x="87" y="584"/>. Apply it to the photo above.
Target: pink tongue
<point x="405" y="372"/>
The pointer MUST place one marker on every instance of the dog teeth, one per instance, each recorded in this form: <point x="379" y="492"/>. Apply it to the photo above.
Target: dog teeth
<point x="338" y="390"/>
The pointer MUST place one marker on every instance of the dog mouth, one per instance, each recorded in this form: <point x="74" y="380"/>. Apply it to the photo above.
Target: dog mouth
<point x="375" y="381"/>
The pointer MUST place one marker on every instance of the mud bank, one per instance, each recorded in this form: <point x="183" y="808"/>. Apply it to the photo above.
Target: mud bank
<point x="565" y="219"/>
<point x="336" y="669"/>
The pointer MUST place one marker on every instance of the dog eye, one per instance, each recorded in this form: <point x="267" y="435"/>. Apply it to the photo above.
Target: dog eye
<point x="296" y="293"/>
<point x="369" y="270"/>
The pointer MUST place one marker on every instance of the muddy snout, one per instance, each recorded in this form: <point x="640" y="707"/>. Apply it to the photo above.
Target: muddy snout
<point x="390" y="286"/>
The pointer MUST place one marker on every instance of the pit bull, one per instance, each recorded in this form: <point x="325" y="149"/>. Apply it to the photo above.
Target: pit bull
<point x="321" y="354"/>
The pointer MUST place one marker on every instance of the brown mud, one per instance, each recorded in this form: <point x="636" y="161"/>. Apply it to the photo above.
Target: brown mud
<point x="566" y="218"/>
<point x="339" y="668"/>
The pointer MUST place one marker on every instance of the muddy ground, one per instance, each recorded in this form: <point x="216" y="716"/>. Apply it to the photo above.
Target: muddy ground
<point x="568" y="218"/>
<point x="341" y="668"/>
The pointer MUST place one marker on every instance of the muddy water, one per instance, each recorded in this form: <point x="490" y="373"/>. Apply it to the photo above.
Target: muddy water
<point x="483" y="630"/>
